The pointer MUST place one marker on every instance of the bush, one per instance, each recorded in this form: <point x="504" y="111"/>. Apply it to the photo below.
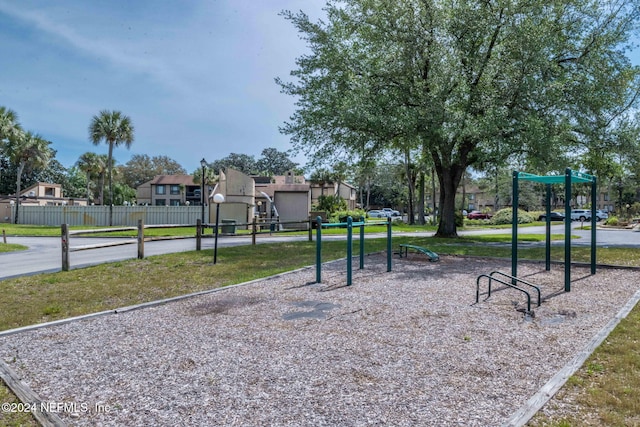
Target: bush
<point x="612" y="220"/>
<point x="505" y="216"/>
<point x="341" y="216"/>
<point x="331" y="204"/>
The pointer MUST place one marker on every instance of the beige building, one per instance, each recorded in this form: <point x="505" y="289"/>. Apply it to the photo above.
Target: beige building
<point x="285" y="198"/>
<point x="39" y="194"/>
<point x="169" y="190"/>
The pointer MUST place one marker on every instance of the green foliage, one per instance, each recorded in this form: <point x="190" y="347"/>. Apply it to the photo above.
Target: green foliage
<point x="505" y="216"/>
<point x="115" y="129"/>
<point x="471" y="84"/>
<point x="142" y="168"/>
<point x="612" y="220"/>
<point x="330" y="204"/>
<point x="459" y="219"/>
<point x="274" y="162"/>
<point x="341" y="216"/>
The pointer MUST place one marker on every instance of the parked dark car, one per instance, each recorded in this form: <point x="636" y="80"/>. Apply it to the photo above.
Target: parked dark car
<point x="555" y="216"/>
<point x="478" y="215"/>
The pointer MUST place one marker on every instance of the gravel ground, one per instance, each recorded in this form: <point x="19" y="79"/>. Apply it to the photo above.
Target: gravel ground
<point x="405" y="348"/>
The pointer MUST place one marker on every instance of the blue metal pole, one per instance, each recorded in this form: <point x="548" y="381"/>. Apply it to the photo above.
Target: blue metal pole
<point x="349" y="248"/>
<point x="319" y="249"/>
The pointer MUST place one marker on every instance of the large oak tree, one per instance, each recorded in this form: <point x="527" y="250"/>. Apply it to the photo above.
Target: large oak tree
<point x="468" y="82"/>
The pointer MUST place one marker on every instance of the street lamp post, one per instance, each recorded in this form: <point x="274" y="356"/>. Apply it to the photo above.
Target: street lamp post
<point x="203" y="163"/>
<point x="217" y="199"/>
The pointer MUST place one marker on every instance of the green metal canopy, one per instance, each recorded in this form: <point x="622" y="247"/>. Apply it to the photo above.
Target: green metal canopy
<point x="556" y="179"/>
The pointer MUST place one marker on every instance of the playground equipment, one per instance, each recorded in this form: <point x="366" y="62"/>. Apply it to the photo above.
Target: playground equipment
<point x="349" y="224"/>
<point x="404" y="248"/>
<point x="510" y="283"/>
<point x="568" y="179"/>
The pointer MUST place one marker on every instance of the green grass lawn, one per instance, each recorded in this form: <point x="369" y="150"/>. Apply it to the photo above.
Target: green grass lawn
<point x="10" y="247"/>
<point x="45" y="297"/>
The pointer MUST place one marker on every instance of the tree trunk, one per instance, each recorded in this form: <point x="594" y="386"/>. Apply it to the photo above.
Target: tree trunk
<point x="411" y="186"/>
<point x="464" y="194"/>
<point x="449" y="179"/>
<point x="421" y="184"/>
<point x="433" y="196"/>
<point x="109" y="166"/>
<point x="368" y="192"/>
<point x="88" y="182"/>
<point x="102" y="189"/>
<point x="18" y="188"/>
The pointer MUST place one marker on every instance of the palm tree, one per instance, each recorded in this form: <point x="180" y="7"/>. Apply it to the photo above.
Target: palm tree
<point x="88" y="163"/>
<point x="321" y="177"/>
<point x="9" y="128"/>
<point x="101" y="170"/>
<point x="115" y="129"/>
<point x="27" y="149"/>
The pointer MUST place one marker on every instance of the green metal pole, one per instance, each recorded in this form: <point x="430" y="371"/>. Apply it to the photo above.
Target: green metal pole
<point x="349" y="248"/>
<point x="388" y="244"/>
<point x="594" y="196"/>
<point x="361" y="243"/>
<point x="319" y="249"/>
<point x="547" y="248"/>
<point x="567" y="230"/>
<point x="514" y="226"/>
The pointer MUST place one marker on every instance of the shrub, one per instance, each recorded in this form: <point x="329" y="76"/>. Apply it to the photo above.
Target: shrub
<point x="331" y="204"/>
<point x="612" y="220"/>
<point x="505" y="216"/>
<point x="341" y="216"/>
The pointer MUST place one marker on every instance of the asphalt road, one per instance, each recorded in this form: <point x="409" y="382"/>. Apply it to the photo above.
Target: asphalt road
<point x="45" y="254"/>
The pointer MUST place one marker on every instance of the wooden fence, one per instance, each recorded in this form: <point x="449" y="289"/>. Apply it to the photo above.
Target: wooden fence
<point x="255" y="227"/>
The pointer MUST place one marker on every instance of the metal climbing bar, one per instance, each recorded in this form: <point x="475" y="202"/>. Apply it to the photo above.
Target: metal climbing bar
<point x="536" y="287"/>
<point x="511" y="285"/>
<point x="349" y="225"/>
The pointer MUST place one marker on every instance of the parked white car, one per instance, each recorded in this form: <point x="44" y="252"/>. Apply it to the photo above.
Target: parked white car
<point x="600" y="215"/>
<point x="377" y="214"/>
<point x="391" y="212"/>
<point x="580" y="214"/>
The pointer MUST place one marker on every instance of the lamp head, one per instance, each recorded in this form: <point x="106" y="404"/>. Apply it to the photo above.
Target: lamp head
<point x="203" y="163"/>
<point x="218" y="198"/>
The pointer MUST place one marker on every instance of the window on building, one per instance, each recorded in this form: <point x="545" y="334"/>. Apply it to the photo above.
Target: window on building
<point x="49" y="191"/>
<point x="174" y="202"/>
<point x="175" y="189"/>
<point x="160" y="189"/>
<point x="606" y="197"/>
<point x="472" y="196"/>
<point x="161" y="202"/>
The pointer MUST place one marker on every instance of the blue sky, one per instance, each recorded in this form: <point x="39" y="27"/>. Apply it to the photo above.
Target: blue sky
<point x="196" y="77"/>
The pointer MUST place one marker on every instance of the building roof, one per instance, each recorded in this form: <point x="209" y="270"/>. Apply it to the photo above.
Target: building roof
<point x="172" y="179"/>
